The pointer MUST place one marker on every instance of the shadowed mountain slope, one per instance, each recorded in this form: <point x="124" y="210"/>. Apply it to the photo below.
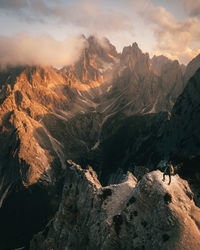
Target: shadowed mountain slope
<point x="104" y="104"/>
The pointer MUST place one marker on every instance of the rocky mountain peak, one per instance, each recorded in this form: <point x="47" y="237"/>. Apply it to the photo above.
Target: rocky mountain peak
<point x="102" y="48"/>
<point x="161" y="64"/>
<point x="132" y="51"/>
<point x="191" y="68"/>
<point x="99" y="55"/>
<point x="170" y="73"/>
<point x="39" y="75"/>
<point x="33" y="74"/>
<point x="135" y="59"/>
<point x="158" y="62"/>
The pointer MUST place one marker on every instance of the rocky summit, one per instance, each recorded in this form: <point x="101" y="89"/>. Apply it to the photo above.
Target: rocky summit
<point x="116" y="112"/>
<point x="149" y="214"/>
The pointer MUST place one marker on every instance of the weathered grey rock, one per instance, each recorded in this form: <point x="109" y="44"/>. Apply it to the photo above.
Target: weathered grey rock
<point x="140" y="86"/>
<point x="191" y="68"/>
<point x="182" y="132"/>
<point x="158" y="63"/>
<point x="147" y="215"/>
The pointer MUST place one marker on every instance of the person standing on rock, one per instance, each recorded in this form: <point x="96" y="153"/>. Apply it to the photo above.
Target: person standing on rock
<point x="169" y="170"/>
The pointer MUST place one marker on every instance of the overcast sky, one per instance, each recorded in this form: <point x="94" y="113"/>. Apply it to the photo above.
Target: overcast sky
<point x="34" y="29"/>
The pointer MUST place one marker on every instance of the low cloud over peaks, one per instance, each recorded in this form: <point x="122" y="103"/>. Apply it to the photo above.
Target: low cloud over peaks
<point x="174" y="37"/>
<point x="28" y="50"/>
<point x="152" y="23"/>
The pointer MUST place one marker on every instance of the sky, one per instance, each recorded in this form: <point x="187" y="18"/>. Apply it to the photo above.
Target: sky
<point x="48" y="31"/>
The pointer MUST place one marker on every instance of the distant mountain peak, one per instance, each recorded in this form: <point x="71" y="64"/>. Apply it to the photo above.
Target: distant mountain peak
<point x="99" y="55"/>
<point x="191" y="68"/>
<point x="161" y="63"/>
<point x="135" y="45"/>
<point x="135" y="59"/>
<point x="134" y="50"/>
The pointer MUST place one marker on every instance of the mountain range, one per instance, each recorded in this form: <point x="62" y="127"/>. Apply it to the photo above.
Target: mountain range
<point x="113" y="111"/>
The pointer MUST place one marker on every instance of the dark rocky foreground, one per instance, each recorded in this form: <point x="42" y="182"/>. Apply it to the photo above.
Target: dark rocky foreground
<point x="149" y="214"/>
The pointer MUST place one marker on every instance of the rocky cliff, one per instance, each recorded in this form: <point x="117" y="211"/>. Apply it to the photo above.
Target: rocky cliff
<point x="171" y="75"/>
<point x="95" y="66"/>
<point x="182" y="134"/>
<point x="191" y="68"/>
<point x="149" y="214"/>
<point x="135" y="77"/>
<point x="30" y="158"/>
<point x="79" y="112"/>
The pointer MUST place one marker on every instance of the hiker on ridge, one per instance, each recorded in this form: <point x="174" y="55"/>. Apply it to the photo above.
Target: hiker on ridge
<point x="169" y="170"/>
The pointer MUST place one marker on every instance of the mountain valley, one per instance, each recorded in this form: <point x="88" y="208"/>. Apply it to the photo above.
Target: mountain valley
<point x="109" y="111"/>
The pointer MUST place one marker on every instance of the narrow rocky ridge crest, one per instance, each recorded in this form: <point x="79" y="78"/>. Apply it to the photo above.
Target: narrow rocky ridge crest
<point x="149" y="214"/>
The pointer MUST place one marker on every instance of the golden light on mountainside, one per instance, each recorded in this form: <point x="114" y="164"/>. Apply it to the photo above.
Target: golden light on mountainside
<point x="91" y="124"/>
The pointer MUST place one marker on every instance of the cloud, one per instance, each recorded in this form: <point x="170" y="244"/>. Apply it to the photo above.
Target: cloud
<point x="90" y="14"/>
<point x="175" y="38"/>
<point x="94" y="16"/>
<point x="192" y="7"/>
<point x="27" y="50"/>
<point x="13" y="4"/>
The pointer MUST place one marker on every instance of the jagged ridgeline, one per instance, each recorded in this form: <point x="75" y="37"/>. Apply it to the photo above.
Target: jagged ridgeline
<point x="109" y="110"/>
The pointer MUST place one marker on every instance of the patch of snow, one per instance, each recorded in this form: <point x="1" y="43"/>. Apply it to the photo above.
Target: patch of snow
<point x="4" y="195"/>
<point x="57" y="147"/>
<point x="109" y="88"/>
<point x="96" y="145"/>
<point x="153" y="110"/>
<point x="121" y="193"/>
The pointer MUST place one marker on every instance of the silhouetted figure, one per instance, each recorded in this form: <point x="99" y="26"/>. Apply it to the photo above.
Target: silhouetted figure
<point x="169" y="170"/>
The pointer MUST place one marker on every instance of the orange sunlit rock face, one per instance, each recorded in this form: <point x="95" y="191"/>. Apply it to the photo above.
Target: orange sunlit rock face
<point x="37" y="102"/>
<point x="31" y="97"/>
<point x="33" y="94"/>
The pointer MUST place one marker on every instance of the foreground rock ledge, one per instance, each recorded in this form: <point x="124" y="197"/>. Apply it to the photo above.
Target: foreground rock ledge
<point x="149" y="214"/>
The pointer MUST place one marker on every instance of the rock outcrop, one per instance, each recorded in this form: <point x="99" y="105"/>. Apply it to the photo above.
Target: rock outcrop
<point x="171" y="75"/>
<point x="191" y="68"/>
<point x="135" y="77"/>
<point x="182" y="132"/>
<point x="149" y="214"/>
<point x="133" y="58"/>
<point x="158" y="63"/>
<point x="96" y="61"/>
